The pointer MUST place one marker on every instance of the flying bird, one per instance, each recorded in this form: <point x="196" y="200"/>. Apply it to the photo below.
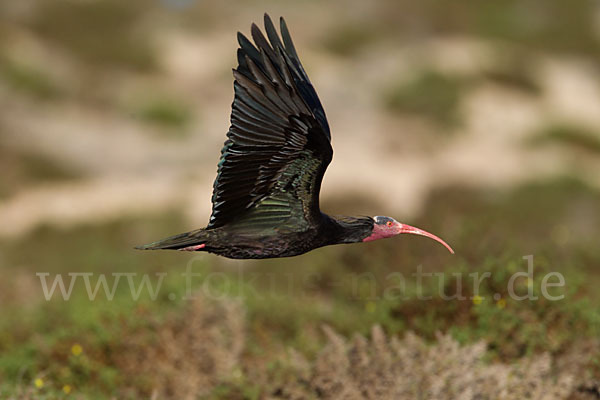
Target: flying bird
<point x="265" y="201"/>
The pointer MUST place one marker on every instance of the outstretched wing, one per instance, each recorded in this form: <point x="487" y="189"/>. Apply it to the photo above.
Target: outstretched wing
<point x="278" y="144"/>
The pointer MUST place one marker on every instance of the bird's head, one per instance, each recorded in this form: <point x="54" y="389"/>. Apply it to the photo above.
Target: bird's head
<point x="385" y="227"/>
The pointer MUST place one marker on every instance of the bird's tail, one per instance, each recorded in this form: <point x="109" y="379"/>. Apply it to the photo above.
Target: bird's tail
<point x="190" y="241"/>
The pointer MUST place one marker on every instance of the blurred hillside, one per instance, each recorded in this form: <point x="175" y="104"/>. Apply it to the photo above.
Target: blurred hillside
<point x="477" y="121"/>
<point x="115" y="103"/>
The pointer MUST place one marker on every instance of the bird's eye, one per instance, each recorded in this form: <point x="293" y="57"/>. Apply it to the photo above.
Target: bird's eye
<point x="389" y="223"/>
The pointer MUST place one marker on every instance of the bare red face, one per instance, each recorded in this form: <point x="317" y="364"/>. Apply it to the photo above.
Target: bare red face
<point x="386" y="227"/>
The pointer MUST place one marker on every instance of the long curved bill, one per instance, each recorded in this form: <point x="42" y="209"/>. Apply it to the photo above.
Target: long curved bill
<point x="416" y="231"/>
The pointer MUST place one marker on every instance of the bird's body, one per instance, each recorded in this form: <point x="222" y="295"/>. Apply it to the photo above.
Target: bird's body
<point x="282" y="241"/>
<point x="266" y="194"/>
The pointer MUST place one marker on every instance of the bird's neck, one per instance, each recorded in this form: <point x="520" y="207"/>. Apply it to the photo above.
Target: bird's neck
<point x="346" y="229"/>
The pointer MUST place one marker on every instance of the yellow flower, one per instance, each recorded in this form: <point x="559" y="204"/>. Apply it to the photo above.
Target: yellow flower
<point x="67" y="389"/>
<point x="39" y="382"/>
<point x="370" y="307"/>
<point x="76" y="349"/>
<point x="477" y="300"/>
<point x="501" y="303"/>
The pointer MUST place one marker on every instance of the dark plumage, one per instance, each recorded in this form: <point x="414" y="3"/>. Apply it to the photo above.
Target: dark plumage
<point x="266" y="194"/>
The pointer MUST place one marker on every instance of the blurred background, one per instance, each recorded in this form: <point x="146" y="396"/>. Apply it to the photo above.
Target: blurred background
<point x="477" y="121"/>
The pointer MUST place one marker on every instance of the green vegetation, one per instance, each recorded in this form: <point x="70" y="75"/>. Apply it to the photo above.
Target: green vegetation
<point x="166" y="113"/>
<point x="514" y="69"/>
<point x="348" y="39"/>
<point x="430" y="94"/>
<point x="22" y="169"/>
<point x="554" y="25"/>
<point x="572" y="136"/>
<point x="574" y="33"/>
<point x="349" y="288"/>
<point x="28" y="79"/>
<point x="100" y="33"/>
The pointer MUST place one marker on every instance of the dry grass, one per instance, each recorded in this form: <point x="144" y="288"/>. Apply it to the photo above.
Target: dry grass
<point x="391" y="368"/>
<point x="185" y="355"/>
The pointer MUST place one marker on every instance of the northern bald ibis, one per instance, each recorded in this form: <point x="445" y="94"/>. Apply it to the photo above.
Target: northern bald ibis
<point x="266" y="194"/>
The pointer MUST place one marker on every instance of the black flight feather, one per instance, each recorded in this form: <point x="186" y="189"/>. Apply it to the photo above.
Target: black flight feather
<point x="278" y="144"/>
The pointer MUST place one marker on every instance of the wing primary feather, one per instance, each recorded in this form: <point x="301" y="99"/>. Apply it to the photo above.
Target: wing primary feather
<point x="272" y="33"/>
<point x="303" y="83"/>
<point x="247" y="46"/>
<point x="242" y="65"/>
<point x="287" y="39"/>
<point x="261" y="41"/>
<point x="291" y="82"/>
<point x="273" y="73"/>
<point x="284" y="68"/>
